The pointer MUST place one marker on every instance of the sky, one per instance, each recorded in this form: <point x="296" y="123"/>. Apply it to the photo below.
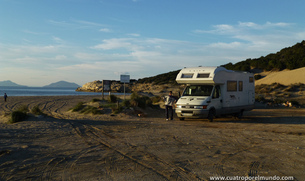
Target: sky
<point x="46" y="41"/>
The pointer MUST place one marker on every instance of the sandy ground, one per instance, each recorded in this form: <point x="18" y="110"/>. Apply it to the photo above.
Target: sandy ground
<point x="285" y="77"/>
<point x="70" y="146"/>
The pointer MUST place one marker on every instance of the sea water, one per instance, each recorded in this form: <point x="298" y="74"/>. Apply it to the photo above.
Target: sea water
<point x="42" y="91"/>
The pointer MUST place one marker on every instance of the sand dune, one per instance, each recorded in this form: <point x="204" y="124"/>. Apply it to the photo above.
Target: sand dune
<point x="285" y="77"/>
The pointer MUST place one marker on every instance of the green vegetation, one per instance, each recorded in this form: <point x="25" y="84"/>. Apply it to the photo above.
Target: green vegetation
<point x="21" y="113"/>
<point x="23" y="108"/>
<point x="166" y="78"/>
<point x="95" y="100"/>
<point x="137" y="100"/>
<point x="78" y="107"/>
<point x="277" y="93"/>
<point x="288" y="58"/>
<point x="18" y="116"/>
<point x="156" y="99"/>
<point x="115" y="105"/>
<point x="35" y="110"/>
<point x="126" y="103"/>
<point x="113" y="98"/>
<point x="90" y="110"/>
<point x="86" y="109"/>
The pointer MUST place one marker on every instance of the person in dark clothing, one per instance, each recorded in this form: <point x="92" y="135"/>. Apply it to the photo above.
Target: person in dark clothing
<point x="170" y="100"/>
<point x="5" y="97"/>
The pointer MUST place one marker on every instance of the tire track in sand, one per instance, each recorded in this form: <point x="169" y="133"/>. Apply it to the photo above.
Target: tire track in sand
<point x="95" y="136"/>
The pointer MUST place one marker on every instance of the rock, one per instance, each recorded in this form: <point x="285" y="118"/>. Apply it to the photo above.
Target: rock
<point x="95" y="86"/>
<point x="149" y="89"/>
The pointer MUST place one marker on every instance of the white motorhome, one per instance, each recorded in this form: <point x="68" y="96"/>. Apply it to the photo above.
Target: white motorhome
<point x="214" y="91"/>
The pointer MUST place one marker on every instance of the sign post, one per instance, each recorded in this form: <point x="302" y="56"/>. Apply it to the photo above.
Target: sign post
<point x="106" y="87"/>
<point x="125" y="79"/>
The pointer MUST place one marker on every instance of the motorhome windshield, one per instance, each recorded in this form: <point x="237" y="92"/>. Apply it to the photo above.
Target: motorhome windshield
<point x="198" y="90"/>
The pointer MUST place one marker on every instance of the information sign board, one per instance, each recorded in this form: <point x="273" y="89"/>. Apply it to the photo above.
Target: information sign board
<point x="125" y="78"/>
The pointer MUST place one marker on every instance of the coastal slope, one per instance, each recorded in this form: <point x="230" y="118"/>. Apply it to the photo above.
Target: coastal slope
<point x="285" y="77"/>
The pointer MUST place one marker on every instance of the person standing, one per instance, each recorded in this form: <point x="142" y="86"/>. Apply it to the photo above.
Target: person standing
<point x="5" y="97"/>
<point x="169" y="103"/>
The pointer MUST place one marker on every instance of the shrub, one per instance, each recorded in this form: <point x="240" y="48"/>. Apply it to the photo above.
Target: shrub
<point x="289" y="89"/>
<point x="277" y="86"/>
<point x="134" y="96"/>
<point x="78" y="107"/>
<point x="278" y="101"/>
<point x="17" y="116"/>
<point x="156" y="99"/>
<point x="295" y="103"/>
<point x="257" y="77"/>
<point x="259" y="98"/>
<point x="23" y="108"/>
<point x="85" y="109"/>
<point x="140" y="101"/>
<point x="109" y="105"/>
<point x="113" y="99"/>
<point x="95" y="100"/>
<point x="148" y="102"/>
<point x="35" y="110"/>
<point x="116" y="109"/>
<point x="126" y="103"/>
<point x="90" y="109"/>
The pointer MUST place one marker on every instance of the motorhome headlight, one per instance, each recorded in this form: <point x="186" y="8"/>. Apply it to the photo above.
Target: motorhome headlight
<point x="178" y="106"/>
<point x="201" y="107"/>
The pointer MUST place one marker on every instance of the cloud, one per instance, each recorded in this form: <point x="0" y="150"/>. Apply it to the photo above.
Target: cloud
<point x="33" y="32"/>
<point x="79" y="24"/>
<point x="105" y="30"/>
<point x="61" y="24"/>
<point x="218" y="29"/>
<point x="134" y="34"/>
<point x="57" y="39"/>
<point x="89" y="23"/>
<point x="280" y="24"/>
<point x="116" y="43"/>
<point x="146" y="56"/>
<point x="221" y="45"/>
<point x="258" y="37"/>
<point x="249" y="25"/>
<point x="241" y="27"/>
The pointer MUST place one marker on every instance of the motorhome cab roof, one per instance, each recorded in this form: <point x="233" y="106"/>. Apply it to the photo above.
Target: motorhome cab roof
<point x="205" y="75"/>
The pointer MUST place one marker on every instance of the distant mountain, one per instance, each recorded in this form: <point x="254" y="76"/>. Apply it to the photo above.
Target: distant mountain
<point x="63" y="84"/>
<point x="8" y="83"/>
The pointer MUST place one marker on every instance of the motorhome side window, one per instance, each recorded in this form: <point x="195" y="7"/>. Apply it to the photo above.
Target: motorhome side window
<point x="251" y="80"/>
<point x="240" y="86"/>
<point x="203" y="75"/>
<point x="217" y="92"/>
<point x="231" y="86"/>
<point x="187" y="76"/>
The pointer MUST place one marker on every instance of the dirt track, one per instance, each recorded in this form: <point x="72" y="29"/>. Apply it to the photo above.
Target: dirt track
<point x="69" y="146"/>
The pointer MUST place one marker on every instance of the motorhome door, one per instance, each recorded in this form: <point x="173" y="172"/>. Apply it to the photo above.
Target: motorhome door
<point x="216" y="101"/>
